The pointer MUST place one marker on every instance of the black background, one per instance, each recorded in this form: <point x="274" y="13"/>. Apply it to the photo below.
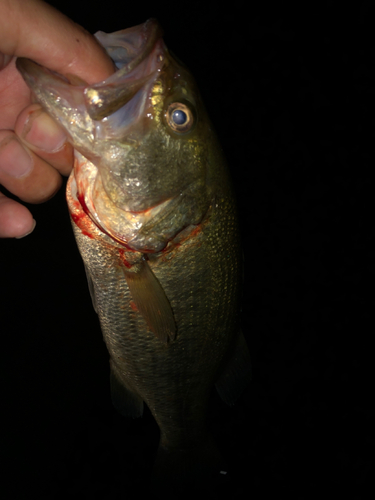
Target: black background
<point x="291" y="95"/>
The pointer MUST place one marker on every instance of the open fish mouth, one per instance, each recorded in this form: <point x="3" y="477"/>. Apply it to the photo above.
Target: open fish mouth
<point x="129" y="55"/>
<point x="94" y="115"/>
<point x="138" y="54"/>
<point x="131" y="172"/>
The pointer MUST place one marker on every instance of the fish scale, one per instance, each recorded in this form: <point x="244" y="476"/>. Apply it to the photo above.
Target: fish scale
<point x="154" y="217"/>
<point x="173" y="379"/>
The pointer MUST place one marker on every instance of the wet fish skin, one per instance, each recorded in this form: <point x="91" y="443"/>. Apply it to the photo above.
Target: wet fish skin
<point x="174" y="378"/>
<point x="162" y="253"/>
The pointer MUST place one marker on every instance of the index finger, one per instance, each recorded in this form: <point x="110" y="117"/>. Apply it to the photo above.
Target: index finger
<point x="34" y="29"/>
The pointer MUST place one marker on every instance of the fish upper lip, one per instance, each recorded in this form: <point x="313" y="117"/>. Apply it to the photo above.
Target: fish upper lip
<point x="96" y="116"/>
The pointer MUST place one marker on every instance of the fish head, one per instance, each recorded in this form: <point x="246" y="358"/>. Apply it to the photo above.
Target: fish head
<point x="143" y="141"/>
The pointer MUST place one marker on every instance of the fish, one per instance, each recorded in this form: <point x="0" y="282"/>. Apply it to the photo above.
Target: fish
<point x="155" y="219"/>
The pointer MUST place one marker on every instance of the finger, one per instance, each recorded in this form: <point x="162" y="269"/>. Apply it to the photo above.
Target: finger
<point x="24" y="173"/>
<point x="36" y="30"/>
<point x="43" y="136"/>
<point x="15" y="220"/>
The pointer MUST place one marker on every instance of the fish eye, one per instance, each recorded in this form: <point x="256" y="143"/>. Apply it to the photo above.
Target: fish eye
<point x="179" y="117"/>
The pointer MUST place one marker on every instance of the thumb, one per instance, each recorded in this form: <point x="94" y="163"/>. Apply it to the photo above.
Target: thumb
<point x="34" y="29"/>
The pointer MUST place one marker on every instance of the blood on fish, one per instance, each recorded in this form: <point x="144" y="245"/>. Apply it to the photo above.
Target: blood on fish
<point x="121" y="251"/>
<point x="195" y="231"/>
<point x="81" y="220"/>
<point x="81" y="199"/>
<point x="133" y="306"/>
<point x="183" y="236"/>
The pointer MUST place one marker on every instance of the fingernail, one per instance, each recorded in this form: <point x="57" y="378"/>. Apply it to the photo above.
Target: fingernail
<point x="4" y="60"/>
<point x="43" y="132"/>
<point x="29" y="232"/>
<point x="14" y="159"/>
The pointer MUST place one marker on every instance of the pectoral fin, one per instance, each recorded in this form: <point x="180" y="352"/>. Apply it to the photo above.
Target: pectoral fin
<point x="236" y="374"/>
<point x="151" y="301"/>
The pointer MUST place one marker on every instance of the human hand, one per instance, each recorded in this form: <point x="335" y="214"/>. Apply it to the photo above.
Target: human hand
<point x="33" y="148"/>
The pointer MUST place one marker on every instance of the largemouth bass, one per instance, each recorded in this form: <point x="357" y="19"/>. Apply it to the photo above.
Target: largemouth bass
<point x="155" y="221"/>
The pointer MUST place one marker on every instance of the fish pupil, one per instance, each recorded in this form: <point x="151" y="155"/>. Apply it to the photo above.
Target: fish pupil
<point x="179" y="117"/>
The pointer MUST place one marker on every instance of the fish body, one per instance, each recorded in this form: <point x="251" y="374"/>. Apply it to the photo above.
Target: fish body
<point x="155" y="220"/>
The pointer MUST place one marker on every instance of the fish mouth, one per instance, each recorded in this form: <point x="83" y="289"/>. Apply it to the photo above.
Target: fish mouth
<point x="138" y="53"/>
<point x="107" y="124"/>
<point x="128" y="56"/>
<point x="101" y="119"/>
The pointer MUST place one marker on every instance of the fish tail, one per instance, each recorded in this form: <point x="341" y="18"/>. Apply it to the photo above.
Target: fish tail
<point x="184" y="470"/>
